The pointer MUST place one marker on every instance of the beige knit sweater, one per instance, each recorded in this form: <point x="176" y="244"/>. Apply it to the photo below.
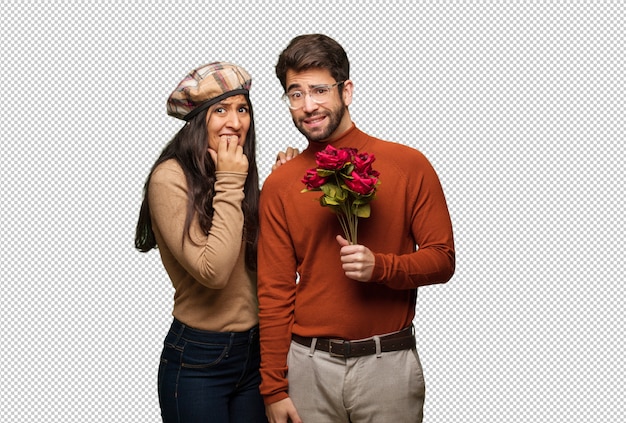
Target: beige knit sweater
<point x="213" y="289"/>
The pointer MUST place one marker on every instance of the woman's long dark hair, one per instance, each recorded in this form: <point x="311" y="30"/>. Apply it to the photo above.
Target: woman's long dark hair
<point x="189" y="149"/>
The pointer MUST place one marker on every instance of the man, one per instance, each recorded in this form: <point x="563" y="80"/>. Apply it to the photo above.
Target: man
<point x="337" y="342"/>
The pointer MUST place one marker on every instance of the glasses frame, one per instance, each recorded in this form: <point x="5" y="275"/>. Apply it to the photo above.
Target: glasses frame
<point x="285" y="96"/>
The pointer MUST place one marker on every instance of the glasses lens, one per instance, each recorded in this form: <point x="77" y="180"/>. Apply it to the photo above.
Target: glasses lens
<point x="296" y="99"/>
<point x="319" y="94"/>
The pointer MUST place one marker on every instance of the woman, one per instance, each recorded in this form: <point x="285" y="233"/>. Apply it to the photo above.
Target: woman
<point x="200" y="209"/>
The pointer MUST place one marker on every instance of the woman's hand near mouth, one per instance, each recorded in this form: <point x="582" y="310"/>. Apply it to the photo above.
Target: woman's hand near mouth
<point x="229" y="156"/>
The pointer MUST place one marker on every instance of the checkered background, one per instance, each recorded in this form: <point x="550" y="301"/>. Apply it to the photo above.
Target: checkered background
<point x="520" y="106"/>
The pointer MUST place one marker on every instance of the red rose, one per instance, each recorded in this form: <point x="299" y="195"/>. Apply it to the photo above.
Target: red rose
<point x="312" y="180"/>
<point x="348" y="183"/>
<point x="332" y="158"/>
<point x="361" y="184"/>
<point x="363" y="164"/>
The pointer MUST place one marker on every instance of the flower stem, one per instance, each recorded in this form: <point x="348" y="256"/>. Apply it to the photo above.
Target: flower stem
<point x="344" y="225"/>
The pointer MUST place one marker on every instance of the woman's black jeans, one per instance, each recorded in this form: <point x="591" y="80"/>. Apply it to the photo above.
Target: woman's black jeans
<point x="210" y="376"/>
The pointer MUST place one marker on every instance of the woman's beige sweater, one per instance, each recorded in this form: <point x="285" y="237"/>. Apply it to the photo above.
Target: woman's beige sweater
<point x="213" y="289"/>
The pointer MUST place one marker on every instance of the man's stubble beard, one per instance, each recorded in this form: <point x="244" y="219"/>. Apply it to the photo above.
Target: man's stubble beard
<point x="334" y="116"/>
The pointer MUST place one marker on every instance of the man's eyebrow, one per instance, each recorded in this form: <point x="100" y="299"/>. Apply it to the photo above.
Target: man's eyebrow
<point x="311" y="86"/>
<point x="292" y="86"/>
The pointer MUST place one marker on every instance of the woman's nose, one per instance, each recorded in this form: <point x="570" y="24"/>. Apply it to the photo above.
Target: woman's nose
<point x="234" y="121"/>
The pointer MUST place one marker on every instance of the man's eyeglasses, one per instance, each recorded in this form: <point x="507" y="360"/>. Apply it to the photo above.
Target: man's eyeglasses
<point x="318" y="93"/>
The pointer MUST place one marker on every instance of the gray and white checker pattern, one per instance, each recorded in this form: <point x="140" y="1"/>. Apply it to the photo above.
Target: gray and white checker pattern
<point x="520" y="106"/>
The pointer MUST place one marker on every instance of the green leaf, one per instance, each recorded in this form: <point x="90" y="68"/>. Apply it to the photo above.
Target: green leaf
<point x="329" y="189"/>
<point x="325" y="172"/>
<point x="329" y="201"/>
<point x="335" y="192"/>
<point x="363" y="200"/>
<point x="346" y="171"/>
<point x="363" y="211"/>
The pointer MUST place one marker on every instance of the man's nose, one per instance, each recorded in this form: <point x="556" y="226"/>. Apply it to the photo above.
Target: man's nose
<point x="309" y="104"/>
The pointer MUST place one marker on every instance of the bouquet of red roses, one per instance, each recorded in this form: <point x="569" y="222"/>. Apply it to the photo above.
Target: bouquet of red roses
<point x="348" y="183"/>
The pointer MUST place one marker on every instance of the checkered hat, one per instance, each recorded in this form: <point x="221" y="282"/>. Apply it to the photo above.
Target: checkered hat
<point x="205" y="86"/>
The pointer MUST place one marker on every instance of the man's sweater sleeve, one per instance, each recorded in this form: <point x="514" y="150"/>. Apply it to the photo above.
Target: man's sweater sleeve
<point x="434" y="261"/>
<point x="276" y="291"/>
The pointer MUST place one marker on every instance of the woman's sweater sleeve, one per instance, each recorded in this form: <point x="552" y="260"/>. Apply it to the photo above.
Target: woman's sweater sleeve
<point x="210" y="258"/>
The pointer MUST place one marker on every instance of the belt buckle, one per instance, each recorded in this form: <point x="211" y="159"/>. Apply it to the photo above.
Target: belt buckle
<point x="339" y="348"/>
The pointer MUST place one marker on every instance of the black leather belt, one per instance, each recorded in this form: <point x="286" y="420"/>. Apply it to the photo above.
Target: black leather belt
<point x="398" y="341"/>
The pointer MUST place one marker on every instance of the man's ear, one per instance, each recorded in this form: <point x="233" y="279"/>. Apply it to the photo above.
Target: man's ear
<point x="348" y="87"/>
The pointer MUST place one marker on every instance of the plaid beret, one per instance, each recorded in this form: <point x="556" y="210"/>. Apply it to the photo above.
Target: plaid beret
<point x="205" y="86"/>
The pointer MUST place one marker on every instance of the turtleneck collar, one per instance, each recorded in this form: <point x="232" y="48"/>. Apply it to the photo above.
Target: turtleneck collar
<point x="351" y="138"/>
